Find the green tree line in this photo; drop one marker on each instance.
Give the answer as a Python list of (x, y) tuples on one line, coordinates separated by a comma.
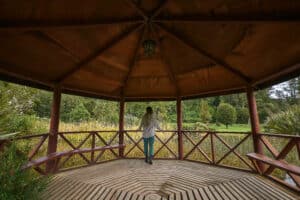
[(20, 106)]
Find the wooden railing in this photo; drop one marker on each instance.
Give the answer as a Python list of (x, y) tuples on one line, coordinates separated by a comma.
[(226, 149), (284, 151), (74, 149), (218, 148), (165, 146)]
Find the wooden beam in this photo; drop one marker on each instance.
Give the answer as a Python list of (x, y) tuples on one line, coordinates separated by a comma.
[(201, 51), (169, 69), (113, 63), (138, 9), (96, 54), (179, 127), (20, 77), (121, 126), (54, 126), (133, 61), (26, 26), (76, 58), (59, 44), (258, 145), (238, 19), (85, 93), (293, 70), (159, 9)]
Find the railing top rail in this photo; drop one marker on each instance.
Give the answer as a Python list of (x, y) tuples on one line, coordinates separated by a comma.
[(26, 137), (204, 131), (93, 131), (156, 131), (279, 135), (164, 131)]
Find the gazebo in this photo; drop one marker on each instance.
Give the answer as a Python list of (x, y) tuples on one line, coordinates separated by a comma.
[(147, 50)]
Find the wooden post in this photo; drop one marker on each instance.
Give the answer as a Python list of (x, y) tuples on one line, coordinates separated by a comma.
[(121, 127), (258, 145), (179, 129), (212, 146), (54, 123), (93, 147)]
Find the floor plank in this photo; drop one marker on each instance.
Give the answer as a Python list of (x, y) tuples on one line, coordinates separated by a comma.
[(165, 179)]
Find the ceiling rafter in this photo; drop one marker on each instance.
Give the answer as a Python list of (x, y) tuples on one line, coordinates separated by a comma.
[(147, 18), (97, 53), (285, 71), (59, 44), (138, 9), (201, 51), (133, 61), (76, 58), (229, 19), (168, 67), (9, 73), (159, 9), (26, 26)]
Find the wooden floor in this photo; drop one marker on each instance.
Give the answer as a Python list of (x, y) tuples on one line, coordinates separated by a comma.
[(134, 179)]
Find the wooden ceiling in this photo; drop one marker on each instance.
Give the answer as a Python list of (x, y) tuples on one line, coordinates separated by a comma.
[(203, 47)]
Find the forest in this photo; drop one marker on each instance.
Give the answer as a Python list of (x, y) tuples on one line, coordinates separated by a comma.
[(27, 110)]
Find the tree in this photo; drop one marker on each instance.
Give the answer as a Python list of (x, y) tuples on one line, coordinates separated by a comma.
[(288, 92), (79, 113), (204, 109), (106, 112), (226, 114), (42, 104), (242, 115)]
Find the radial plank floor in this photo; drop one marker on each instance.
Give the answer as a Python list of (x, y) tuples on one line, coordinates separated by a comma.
[(134, 179)]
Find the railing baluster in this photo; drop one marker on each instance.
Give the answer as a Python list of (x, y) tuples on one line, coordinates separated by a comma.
[(34, 151), (93, 147), (298, 147), (288, 147), (212, 145), (164, 145), (233, 151), (198, 148)]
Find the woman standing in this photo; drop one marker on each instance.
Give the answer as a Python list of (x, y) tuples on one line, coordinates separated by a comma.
[(149, 123)]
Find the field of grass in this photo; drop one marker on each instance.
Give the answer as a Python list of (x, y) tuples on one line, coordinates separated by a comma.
[(233, 128)]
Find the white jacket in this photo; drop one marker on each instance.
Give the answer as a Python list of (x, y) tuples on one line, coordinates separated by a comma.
[(149, 123)]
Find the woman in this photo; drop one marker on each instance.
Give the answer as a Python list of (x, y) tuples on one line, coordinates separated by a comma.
[(149, 123)]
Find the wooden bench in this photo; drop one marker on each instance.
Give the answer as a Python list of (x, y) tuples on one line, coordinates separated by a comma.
[(58, 155), (276, 163)]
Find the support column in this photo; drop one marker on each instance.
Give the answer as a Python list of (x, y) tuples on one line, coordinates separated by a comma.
[(54, 123), (179, 128), (258, 145), (121, 127)]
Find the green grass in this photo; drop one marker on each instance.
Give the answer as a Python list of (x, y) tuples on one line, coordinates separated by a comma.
[(233, 128)]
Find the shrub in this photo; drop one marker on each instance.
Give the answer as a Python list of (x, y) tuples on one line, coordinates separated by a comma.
[(226, 114), (17, 184), (79, 113), (242, 116), (23, 124), (205, 115), (285, 122)]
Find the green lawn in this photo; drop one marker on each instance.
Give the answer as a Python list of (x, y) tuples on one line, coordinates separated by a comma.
[(234, 127)]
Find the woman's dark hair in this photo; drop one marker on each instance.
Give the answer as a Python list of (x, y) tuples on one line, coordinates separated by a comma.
[(149, 110)]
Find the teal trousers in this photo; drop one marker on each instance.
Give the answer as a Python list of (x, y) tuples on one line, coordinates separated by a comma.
[(148, 146)]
